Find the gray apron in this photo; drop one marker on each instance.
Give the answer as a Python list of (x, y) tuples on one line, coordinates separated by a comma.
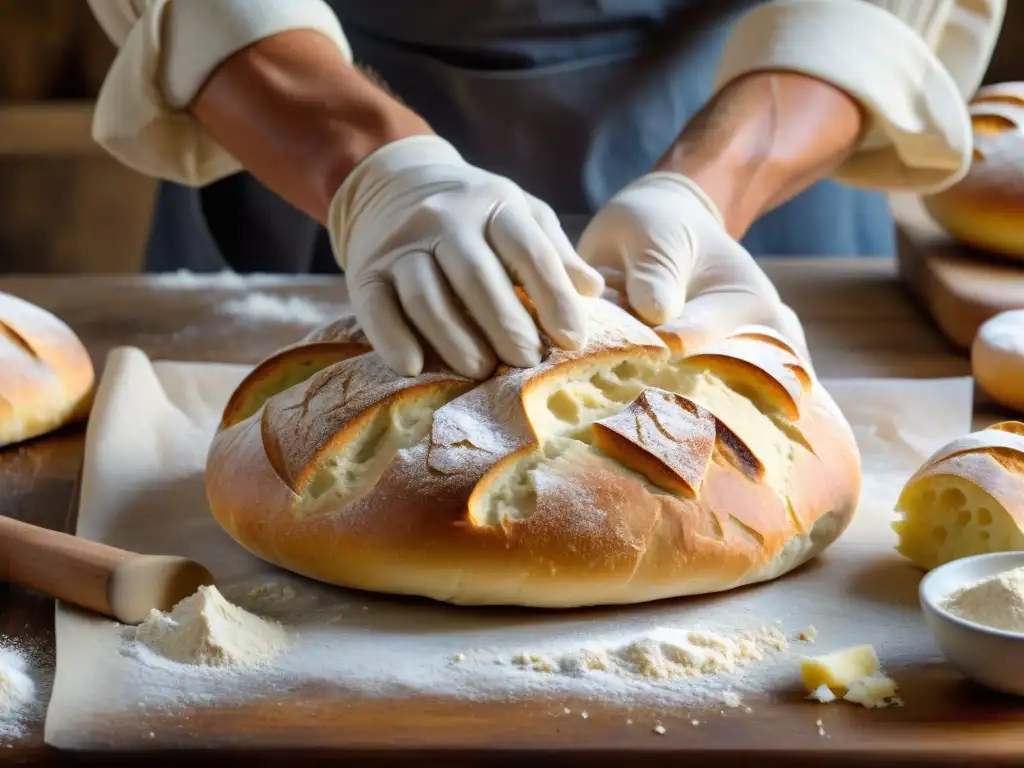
[(570, 98)]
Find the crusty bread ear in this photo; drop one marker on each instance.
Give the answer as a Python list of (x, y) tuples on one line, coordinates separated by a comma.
[(46, 375), (618, 473), (662, 436), (282, 371), (965, 499)]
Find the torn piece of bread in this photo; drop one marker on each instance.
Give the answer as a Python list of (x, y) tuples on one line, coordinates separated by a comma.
[(46, 375), (627, 471), (837, 670), (853, 674), (965, 499)]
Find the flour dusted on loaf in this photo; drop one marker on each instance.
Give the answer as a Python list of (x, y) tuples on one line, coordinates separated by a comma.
[(997, 602), (206, 629)]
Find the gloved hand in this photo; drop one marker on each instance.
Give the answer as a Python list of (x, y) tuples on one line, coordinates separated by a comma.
[(682, 268), (418, 231)]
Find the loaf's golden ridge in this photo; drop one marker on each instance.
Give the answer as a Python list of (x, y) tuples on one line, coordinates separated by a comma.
[(619, 473)]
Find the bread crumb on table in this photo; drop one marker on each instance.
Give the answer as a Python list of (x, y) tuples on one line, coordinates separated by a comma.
[(807, 635)]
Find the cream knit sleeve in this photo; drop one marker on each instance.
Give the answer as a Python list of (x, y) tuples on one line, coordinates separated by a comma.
[(912, 64), (166, 51)]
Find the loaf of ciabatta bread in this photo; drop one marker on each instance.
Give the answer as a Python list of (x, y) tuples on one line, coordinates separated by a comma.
[(46, 375), (965, 499), (625, 472)]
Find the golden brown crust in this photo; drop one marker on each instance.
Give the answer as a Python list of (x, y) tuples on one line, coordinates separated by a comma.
[(617, 474), (986, 208), (46, 375)]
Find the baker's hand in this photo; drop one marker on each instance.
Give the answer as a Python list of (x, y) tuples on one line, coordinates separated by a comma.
[(682, 268), (422, 234)]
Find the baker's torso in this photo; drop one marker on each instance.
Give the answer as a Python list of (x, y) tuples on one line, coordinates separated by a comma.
[(573, 99)]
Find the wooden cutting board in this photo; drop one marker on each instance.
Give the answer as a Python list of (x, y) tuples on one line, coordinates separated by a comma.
[(957, 286)]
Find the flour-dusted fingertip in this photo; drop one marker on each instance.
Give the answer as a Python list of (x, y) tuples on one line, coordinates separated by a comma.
[(656, 301), (477, 365), (404, 363), (585, 279)]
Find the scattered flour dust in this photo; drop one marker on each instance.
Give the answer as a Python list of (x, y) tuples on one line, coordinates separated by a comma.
[(215, 647), (664, 654), (996, 602), (206, 629), (698, 667), (23, 690), (286, 309), (254, 305)]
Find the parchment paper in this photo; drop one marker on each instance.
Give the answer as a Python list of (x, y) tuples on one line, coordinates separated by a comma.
[(142, 489)]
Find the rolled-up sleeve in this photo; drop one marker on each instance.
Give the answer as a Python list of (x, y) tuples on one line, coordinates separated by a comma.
[(166, 51), (912, 65)]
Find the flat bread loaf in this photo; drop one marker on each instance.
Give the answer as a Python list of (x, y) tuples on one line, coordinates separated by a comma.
[(625, 472), (965, 499), (46, 375)]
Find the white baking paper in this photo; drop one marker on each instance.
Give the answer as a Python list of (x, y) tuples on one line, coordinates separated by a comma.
[(142, 490)]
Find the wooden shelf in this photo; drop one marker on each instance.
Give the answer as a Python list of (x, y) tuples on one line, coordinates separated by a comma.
[(47, 129)]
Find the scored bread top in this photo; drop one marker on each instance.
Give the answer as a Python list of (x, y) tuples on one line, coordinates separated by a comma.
[(46, 375), (621, 472)]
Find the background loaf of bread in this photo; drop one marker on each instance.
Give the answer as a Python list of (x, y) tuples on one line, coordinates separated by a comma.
[(46, 375), (967, 499), (624, 472), (986, 208), (997, 358)]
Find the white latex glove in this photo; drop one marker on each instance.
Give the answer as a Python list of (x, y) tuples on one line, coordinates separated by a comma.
[(419, 232), (682, 269)]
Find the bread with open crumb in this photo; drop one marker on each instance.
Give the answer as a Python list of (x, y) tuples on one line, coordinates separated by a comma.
[(631, 470)]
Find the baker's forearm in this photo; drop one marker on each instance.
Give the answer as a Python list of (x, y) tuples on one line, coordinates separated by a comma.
[(298, 116), (764, 138)]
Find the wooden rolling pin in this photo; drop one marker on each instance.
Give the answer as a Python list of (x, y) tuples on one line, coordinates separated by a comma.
[(116, 583)]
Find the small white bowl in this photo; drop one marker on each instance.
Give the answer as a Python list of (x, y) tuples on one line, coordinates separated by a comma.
[(991, 657)]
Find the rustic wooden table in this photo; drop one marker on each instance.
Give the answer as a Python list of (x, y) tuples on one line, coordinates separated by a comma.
[(859, 322)]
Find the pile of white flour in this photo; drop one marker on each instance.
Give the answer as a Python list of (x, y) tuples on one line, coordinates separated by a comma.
[(206, 629)]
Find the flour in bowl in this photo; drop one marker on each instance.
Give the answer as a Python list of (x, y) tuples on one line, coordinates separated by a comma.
[(996, 602)]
